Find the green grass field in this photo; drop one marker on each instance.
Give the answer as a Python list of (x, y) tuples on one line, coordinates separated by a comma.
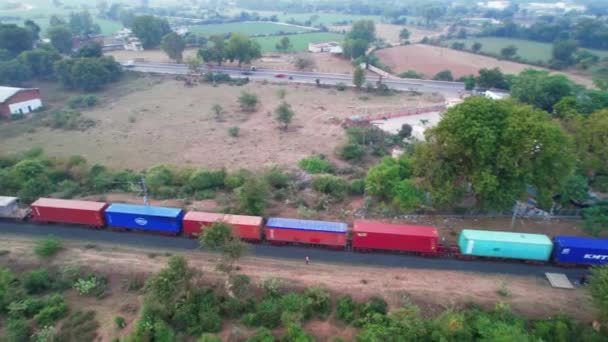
[(528, 50), (299, 41), (249, 28)]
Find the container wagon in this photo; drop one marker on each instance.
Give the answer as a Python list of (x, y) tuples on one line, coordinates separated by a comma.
[(245, 227), (376, 235), (580, 251), (148, 218), (505, 245), (284, 230), (69, 211)]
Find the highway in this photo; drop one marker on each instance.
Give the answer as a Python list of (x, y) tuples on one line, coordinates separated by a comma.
[(448, 89), (163, 243)]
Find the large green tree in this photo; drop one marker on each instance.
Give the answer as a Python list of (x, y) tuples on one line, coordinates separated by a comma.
[(496, 149), (61, 38), (242, 49), (599, 290), (358, 39), (591, 136), (173, 44), (15, 39), (563, 53), (358, 77), (216, 51), (81, 24), (539, 88), (40, 61), (150, 30), (13, 72)]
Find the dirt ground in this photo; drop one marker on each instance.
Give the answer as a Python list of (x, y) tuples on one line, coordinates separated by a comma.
[(430, 60), (390, 32), (167, 122), (322, 62), (434, 291)]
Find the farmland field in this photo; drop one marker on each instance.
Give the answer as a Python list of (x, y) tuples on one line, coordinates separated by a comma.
[(299, 41), (41, 11), (528, 50), (249, 28)]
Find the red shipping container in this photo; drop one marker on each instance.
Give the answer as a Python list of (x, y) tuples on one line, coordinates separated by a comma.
[(394, 237), (246, 227), (69, 211), (332, 234)]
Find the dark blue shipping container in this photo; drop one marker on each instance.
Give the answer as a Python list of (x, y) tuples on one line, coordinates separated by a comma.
[(578, 250), (142, 217)]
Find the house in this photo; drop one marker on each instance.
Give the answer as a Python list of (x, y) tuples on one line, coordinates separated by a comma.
[(19, 101), (495, 95), (331, 47), (132, 44)]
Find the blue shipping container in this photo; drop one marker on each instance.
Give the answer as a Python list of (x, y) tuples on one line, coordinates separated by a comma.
[(319, 226), (159, 219), (578, 250)]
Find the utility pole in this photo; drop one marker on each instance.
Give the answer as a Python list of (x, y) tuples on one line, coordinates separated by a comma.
[(144, 189)]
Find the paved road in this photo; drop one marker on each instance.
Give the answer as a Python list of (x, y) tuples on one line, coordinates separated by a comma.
[(163, 243), (450, 89)]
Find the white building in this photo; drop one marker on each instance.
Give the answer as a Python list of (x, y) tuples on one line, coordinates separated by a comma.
[(498, 5), (495, 95), (15, 101), (331, 47)]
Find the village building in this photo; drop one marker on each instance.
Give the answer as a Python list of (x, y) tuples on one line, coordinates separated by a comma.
[(15, 101)]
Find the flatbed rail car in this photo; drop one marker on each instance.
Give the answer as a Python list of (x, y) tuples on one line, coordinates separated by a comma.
[(367, 235)]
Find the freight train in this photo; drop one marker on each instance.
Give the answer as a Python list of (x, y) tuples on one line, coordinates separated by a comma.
[(364, 236)]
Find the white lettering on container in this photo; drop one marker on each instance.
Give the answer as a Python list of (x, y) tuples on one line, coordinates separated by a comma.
[(595, 256)]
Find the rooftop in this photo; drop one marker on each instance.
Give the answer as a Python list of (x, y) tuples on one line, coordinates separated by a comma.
[(7, 92)]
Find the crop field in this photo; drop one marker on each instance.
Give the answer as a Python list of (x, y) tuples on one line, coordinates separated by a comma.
[(150, 120), (41, 11), (528, 50), (299, 41), (249, 28)]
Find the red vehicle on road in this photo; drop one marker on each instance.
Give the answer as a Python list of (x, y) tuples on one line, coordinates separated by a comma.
[(280, 75)]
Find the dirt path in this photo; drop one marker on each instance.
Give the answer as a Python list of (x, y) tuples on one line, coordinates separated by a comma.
[(432, 290)]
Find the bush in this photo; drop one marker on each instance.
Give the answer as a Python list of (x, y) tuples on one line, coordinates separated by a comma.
[(87, 101), (341, 86), (262, 335), (248, 101), (70, 120), (204, 179), (331, 185), (411, 74), (44, 334), (17, 329), (209, 338), (318, 303), (86, 286), (346, 309), (277, 179), (48, 247), (120, 322), (268, 313), (352, 152), (37, 281), (272, 287), (54, 310), (233, 131), (445, 75), (209, 321), (295, 333), (357, 187), (374, 305), (600, 183), (316, 164), (237, 179)]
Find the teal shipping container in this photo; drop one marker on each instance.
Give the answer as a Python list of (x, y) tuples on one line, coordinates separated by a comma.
[(505, 245)]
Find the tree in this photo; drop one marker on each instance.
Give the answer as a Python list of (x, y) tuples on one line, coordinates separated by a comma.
[(33, 28), (88, 74), (57, 21), (404, 34), (563, 52), (61, 38), (284, 114), (574, 189), (598, 286), (248, 101), (173, 44), (358, 77), (596, 219), (220, 237), (242, 49), (508, 52), (284, 45), (40, 62), (539, 88), (476, 47), (358, 39), (445, 75), (90, 50), (172, 282), (217, 110), (491, 78), (13, 72), (150, 30), (194, 63), (81, 24), (354, 48), (216, 52), (405, 131), (495, 149), (469, 82), (391, 180), (253, 196), (591, 135), (432, 12), (15, 39)]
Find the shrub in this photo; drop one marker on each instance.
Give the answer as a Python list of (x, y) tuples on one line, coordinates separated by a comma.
[(341, 86), (411, 74), (248, 101), (318, 303), (120, 322), (209, 321), (17, 329), (44, 334), (54, 310), (209, 338), (331, 185), (37, 281), (233, 131), (48, 247), (445, 75), (600, 183), (357, 187), (70, 120), (272, 287), (276, 178), (295, 333), (316, 164), (79, 326), (352, 152), (346, 309), (86, 286), (80, 101), (268, 313), (204, 179), (373, 305), (262, 335)]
